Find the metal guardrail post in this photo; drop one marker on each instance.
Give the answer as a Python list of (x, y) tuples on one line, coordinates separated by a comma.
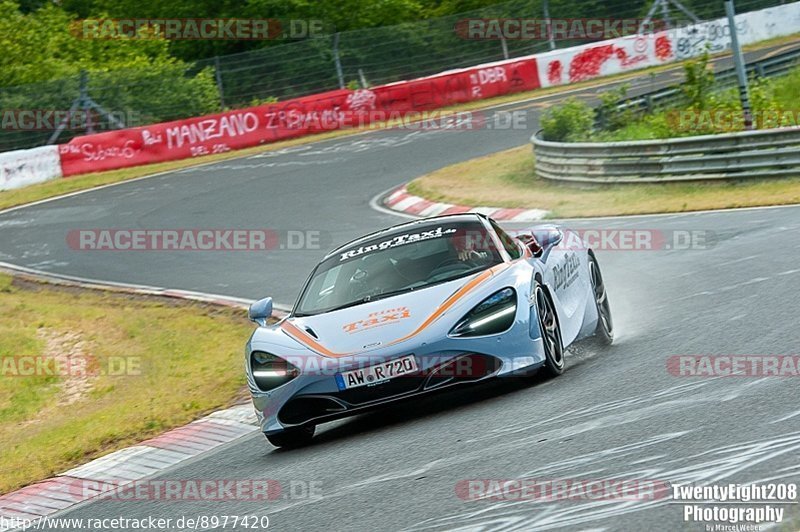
[(87, 104), (218, 76), (738, 60), (546, 12), (337, 60)]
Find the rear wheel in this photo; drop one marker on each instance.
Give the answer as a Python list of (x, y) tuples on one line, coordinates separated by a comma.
[(292, 438), (604, 333), (551, 333)]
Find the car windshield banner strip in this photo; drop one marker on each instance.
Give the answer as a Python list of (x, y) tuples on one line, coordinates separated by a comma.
[(397, 240)]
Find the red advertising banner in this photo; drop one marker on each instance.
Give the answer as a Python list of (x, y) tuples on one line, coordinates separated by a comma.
[(327, 111)]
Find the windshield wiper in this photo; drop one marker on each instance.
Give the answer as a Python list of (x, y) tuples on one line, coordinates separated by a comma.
[(340, 307), (360, 301), (384, 295)]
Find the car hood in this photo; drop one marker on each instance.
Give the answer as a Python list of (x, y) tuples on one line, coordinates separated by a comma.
[(381, 323)]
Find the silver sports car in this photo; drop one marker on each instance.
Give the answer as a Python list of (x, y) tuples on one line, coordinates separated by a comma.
[(416, 308)]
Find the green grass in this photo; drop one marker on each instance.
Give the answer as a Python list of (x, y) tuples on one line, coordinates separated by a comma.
[(182, 360), (507, 179)]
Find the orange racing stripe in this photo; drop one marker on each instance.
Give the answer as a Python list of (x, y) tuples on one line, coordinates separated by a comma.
[(306, 339)]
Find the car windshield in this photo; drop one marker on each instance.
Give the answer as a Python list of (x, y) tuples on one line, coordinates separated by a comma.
[(392, 263)]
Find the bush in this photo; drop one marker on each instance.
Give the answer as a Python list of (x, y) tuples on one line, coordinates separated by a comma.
[(699, 82), (40, 69), (649, 127), (706, 111), (609, 114), (571, 121), (162, 91)]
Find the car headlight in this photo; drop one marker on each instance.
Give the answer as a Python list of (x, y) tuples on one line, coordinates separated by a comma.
[(493, 315), (270, 371)]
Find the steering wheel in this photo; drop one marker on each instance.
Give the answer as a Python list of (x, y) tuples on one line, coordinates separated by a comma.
[(464, 265), (358, 284)]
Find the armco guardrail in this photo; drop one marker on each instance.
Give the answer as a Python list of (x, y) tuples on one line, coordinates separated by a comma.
[(742, 155), (672, 96)]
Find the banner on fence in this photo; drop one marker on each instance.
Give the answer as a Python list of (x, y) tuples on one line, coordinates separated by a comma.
[(626, 54), (351, 108), (328, 111), (21, 168)]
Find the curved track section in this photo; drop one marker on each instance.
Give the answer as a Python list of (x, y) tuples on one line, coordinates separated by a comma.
[(323, 186), (613, 414)]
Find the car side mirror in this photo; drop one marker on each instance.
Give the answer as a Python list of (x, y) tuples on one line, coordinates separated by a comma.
[(261, 311), (549, 236)]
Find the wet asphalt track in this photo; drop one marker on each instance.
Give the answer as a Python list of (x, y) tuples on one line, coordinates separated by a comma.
[(617, 413)]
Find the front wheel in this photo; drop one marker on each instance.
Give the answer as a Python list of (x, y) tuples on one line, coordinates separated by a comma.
[(292, 438), (604, 333), (551, 333)]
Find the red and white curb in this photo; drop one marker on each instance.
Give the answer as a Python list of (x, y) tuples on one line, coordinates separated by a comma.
[(131, 464), (401, 201), (125, 466)]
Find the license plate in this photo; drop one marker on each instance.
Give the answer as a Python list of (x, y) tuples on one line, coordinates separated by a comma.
[(377, 373)]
